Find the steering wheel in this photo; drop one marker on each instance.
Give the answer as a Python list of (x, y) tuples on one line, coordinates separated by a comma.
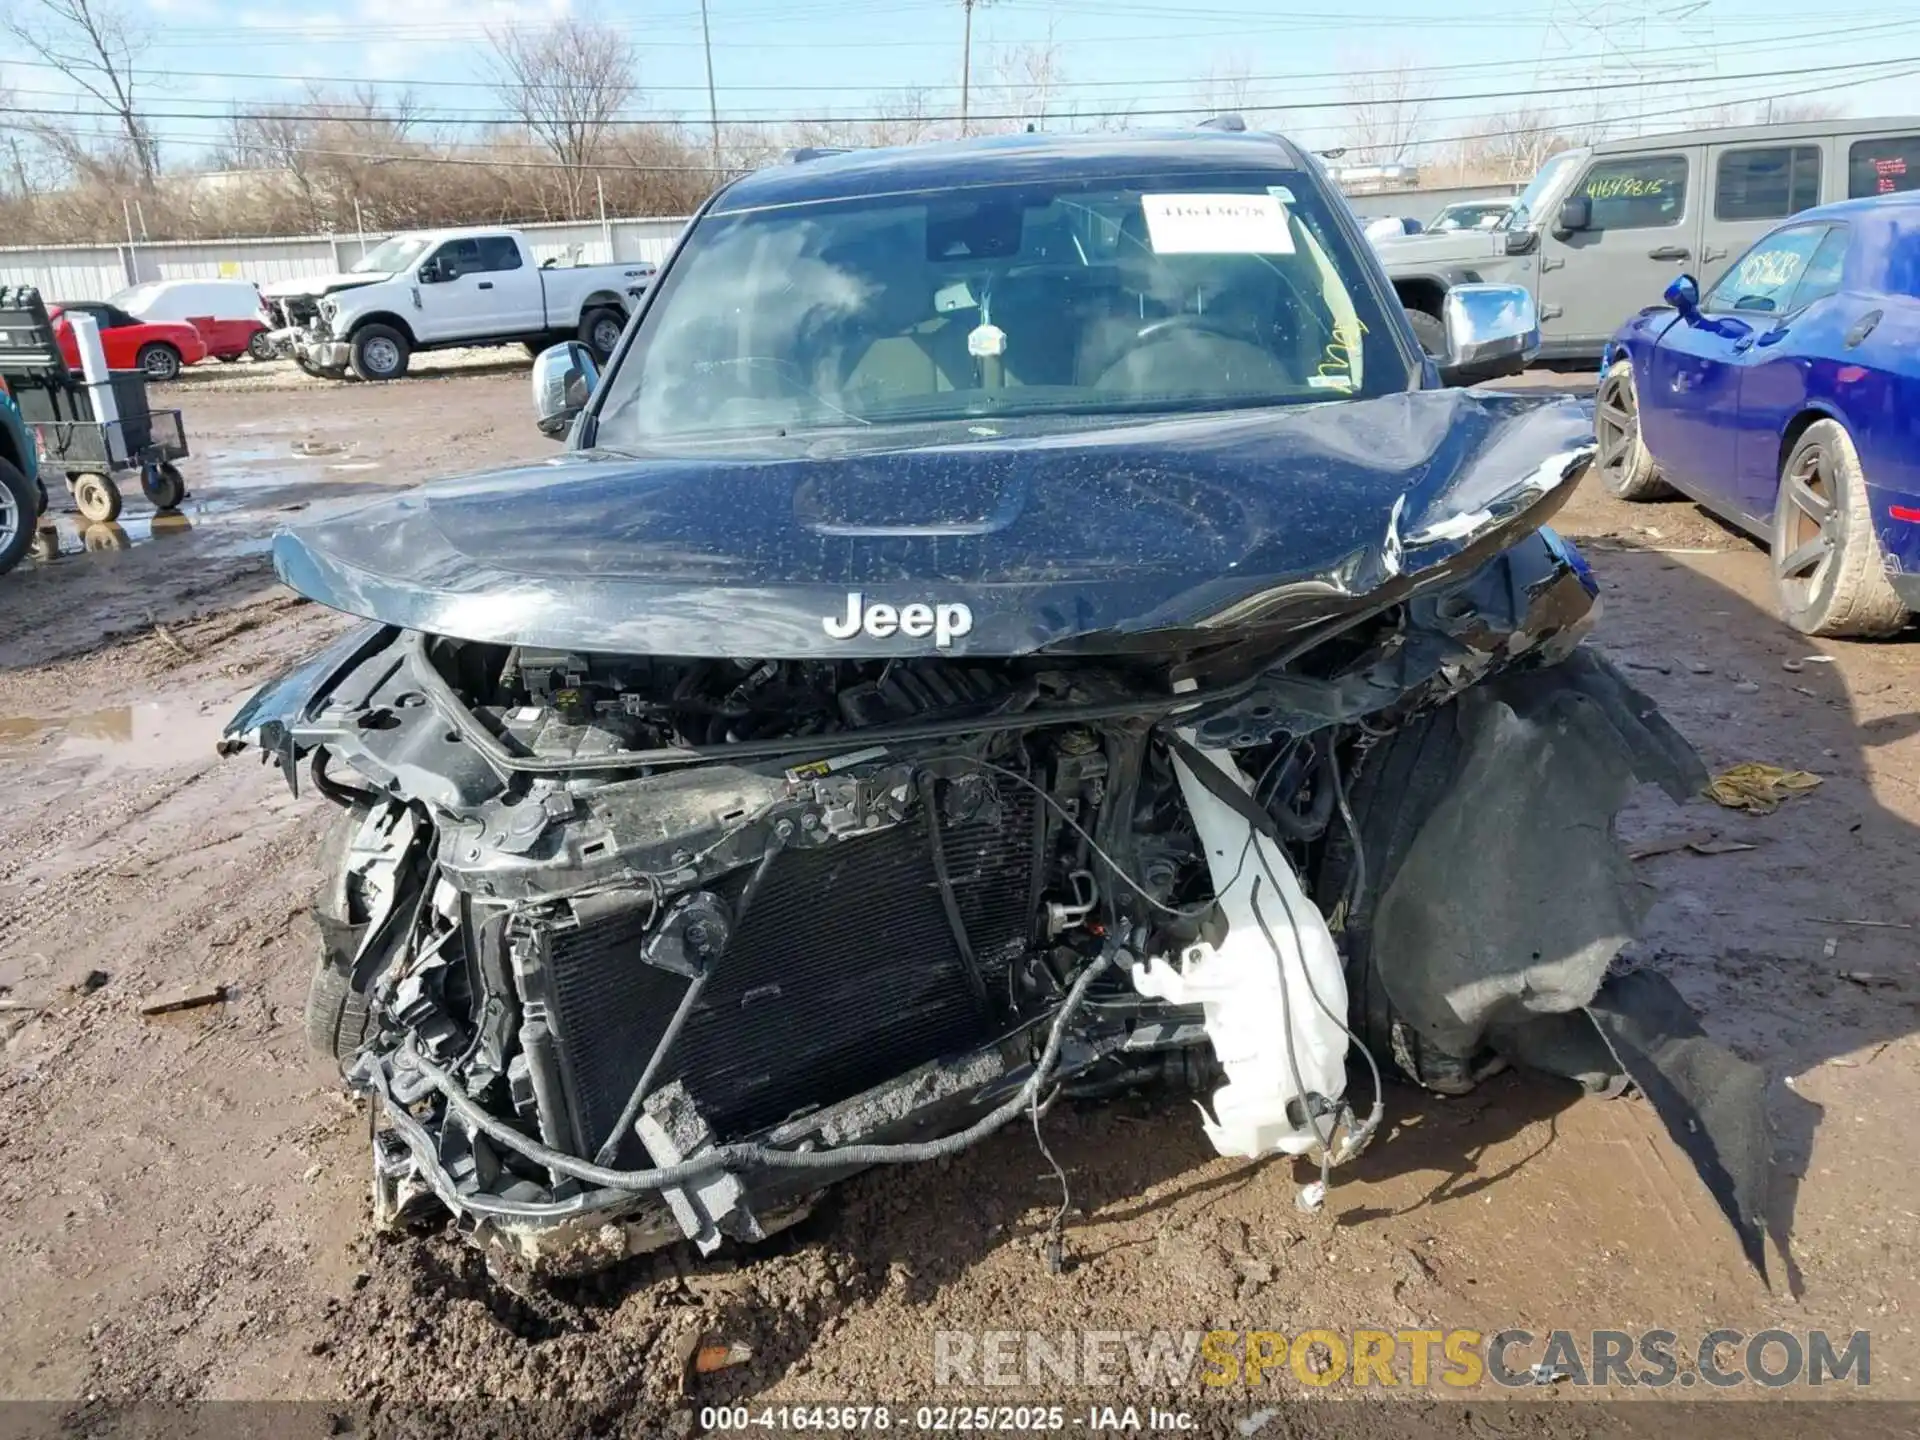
[(1174, 324)]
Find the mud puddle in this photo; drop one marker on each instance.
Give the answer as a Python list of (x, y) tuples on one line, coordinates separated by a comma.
[(148, 735), (236, 499)]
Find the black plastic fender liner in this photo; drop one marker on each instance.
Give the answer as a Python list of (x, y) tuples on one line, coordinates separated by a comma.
[(1503, 907), (1714, 1103)]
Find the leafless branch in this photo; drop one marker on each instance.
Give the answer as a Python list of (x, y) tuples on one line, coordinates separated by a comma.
[(566, 85), (95, 46)]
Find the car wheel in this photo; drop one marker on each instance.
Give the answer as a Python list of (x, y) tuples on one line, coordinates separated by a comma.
[(96, 498), (1430, 332), (1828, 567), (160, 360), (380, 353), (339, 1017), (600, 332), (164, 486), (19, 515), (259, 346), (1625, 462)]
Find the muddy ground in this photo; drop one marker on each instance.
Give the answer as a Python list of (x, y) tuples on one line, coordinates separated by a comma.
[(183, 1200)]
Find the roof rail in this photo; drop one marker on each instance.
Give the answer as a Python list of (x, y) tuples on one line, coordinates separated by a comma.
[(801, 154), (1231, 121)]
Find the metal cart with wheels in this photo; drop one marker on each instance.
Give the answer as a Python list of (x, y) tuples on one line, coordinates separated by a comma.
[(73, 440)]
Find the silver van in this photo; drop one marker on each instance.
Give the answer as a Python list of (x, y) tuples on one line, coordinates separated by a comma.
[(1600, 231)]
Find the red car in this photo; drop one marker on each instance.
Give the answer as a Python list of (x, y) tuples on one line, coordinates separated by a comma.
[(160, 348)]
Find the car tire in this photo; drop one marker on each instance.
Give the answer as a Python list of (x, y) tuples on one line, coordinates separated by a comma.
[(259, 346), (1430, 332), (1828, 566), (97, 498), (19, 515), (1626, 465), (600, 331), (380, 353), (1393, 791), (339, 1015), (160, 360)]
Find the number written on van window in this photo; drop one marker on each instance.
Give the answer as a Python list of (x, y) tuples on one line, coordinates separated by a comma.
[(1640, 193), (1883, 167)]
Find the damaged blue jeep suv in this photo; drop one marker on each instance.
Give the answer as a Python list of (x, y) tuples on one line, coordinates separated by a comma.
[(1017, 618)]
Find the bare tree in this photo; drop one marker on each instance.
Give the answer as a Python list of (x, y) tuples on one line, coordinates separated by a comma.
[(566, 84), (95, 46), (1027, 81), (1386, 109), (1510, 147), (1226, 88)]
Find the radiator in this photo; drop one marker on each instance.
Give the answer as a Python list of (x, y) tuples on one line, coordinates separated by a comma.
[(845, 973)]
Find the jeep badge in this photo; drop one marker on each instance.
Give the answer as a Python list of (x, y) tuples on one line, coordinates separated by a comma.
[(946, 623)]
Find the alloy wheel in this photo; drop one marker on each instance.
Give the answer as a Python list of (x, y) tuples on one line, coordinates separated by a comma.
[(1813, 530), (1616, 423)]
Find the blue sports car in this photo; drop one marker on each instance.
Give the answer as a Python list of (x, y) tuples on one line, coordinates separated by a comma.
[(1787, 399)]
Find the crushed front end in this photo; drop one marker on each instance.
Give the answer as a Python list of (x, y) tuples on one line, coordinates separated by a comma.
[(629, 945)]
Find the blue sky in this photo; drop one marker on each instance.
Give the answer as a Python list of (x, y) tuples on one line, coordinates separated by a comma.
[(775, 59)]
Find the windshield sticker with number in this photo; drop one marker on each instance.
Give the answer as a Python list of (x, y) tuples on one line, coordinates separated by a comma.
[(1217, 225), (1770, 269)]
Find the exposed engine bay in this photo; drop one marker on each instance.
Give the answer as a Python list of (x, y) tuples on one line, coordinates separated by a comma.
[(631, 948)]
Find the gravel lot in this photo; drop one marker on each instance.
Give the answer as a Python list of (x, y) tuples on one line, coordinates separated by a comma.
[(183, 1200)]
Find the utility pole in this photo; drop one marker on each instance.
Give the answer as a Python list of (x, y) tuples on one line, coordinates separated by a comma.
[(713, 104), (966, 60)]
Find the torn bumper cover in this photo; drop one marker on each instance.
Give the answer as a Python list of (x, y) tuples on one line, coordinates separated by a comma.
[(682, 874)]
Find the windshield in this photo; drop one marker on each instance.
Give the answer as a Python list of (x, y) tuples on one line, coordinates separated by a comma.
[(390, 257), (136, 299), (1078, 298), (1541, 186), (1476, 216)]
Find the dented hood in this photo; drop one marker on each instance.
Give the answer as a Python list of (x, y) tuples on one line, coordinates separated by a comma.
[(1109, 536), (310, 285)]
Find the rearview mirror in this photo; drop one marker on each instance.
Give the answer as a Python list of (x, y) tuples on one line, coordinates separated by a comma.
[(563, 381), (1683, 294), (1575, 214), (1492, 330)]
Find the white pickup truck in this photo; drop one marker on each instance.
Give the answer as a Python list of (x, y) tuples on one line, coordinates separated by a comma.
[(433, 289)]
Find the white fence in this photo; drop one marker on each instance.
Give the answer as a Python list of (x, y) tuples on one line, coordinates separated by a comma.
[(93, 272)]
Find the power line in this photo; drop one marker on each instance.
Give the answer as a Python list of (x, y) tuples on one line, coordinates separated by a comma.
[(615, 167), (1016, 115), (1761, 44)]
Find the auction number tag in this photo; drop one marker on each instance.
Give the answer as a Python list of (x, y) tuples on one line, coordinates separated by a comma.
[(1217, 225)]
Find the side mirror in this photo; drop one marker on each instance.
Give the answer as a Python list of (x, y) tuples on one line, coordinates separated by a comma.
[(1683, 294), (1492, 330), (563, 381), (430, 273), (1575, 214)]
